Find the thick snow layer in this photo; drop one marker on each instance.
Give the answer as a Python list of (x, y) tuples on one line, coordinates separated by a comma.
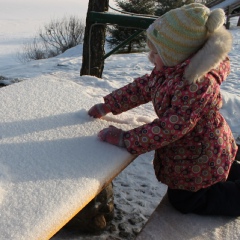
[(52, 163)]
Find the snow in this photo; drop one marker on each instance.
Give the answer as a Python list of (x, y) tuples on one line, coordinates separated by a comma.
[(50, 150), (199, 227), (137, 192)]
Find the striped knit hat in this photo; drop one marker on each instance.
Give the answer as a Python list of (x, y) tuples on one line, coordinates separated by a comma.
[(183, 31)]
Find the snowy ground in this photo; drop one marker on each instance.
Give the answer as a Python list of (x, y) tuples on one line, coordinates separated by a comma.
[(137, 192)]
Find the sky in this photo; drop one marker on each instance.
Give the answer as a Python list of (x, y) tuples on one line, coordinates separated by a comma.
[(137, 190)]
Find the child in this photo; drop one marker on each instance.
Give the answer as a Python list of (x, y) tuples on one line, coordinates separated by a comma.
[(194, 146)]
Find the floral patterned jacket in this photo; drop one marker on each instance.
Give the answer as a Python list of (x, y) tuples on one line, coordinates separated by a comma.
[(194, 144)]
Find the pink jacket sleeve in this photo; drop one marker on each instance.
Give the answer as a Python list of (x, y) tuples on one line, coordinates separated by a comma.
[(180, 117), (129, 96)]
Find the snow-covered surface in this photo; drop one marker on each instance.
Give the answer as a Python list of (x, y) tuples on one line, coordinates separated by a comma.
[(165, 224), (137, 192), (51, 162)]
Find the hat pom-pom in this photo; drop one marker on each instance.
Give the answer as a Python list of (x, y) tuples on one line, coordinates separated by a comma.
[(215, 20)]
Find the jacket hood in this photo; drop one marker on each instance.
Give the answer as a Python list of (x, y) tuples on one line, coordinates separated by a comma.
[(214, 51)]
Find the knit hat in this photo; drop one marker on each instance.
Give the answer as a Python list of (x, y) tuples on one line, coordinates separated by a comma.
[(182, 31)]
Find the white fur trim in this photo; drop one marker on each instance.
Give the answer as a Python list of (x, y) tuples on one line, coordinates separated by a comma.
[(214, 51)]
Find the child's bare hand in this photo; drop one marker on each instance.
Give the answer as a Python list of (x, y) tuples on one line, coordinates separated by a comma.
[(99, 110), (112, 135)]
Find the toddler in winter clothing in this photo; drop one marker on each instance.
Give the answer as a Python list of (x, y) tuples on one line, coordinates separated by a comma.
[(194, 146)]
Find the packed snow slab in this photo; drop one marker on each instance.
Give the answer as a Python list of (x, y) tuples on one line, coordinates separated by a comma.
[(168, 223), (51, 161)]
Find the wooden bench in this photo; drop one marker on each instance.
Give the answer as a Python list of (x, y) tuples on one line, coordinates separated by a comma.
[(213, 3), (231, 11), (51, 162)]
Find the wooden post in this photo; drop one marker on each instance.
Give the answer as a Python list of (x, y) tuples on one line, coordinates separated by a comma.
[(97, 42)]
